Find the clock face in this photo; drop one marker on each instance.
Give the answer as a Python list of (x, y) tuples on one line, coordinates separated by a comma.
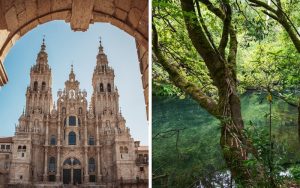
[(72, 94)]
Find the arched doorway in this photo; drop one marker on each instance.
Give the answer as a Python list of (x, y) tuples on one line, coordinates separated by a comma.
[(19, 17), (72, 171)]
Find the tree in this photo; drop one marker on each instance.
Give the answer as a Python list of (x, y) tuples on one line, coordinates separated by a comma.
[(220, 64)]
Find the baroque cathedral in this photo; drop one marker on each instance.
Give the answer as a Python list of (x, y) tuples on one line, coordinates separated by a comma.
[(71, 142)]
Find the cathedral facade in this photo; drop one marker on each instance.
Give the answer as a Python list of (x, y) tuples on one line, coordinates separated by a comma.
[(71, 142)]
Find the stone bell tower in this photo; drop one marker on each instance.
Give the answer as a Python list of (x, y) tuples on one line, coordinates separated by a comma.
[(105, 96), (38, 94), (28, 152)]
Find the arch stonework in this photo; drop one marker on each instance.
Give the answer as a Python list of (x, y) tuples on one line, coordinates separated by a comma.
[(17, 17)]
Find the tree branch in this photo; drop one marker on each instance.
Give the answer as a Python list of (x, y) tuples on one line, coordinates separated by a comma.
[(262, 4), (225, 32), (181, 82)]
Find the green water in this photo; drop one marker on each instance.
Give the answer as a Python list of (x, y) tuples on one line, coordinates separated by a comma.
[(198, 153)]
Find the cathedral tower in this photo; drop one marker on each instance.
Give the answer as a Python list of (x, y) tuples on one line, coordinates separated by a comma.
[(30, 132), (105, 97), (39, 95)]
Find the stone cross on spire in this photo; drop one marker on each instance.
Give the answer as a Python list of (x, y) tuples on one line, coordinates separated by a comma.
[(100, 47), (43, 46), (72, 75)]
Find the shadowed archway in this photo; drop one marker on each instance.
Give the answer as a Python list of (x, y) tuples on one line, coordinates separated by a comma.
[(19, 17)]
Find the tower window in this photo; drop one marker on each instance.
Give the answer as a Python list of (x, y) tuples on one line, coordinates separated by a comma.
[(35, 86), (72, 138), (80, 110), (121, 149), (101, 87), (52, 166), (52, 140), (72, 121), (108, 87), (22, 154), (43, 86), (125, 149), (24, 148), (92, 165), (91, 140)]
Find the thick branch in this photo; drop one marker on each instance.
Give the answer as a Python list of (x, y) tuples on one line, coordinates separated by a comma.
[(211, 58), (218, 12), (225, 33), (181, 82), (262, 4)]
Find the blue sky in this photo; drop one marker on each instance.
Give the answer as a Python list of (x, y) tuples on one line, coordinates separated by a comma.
[(65, 47)]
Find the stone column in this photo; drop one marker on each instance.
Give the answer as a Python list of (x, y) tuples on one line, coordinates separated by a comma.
[(58, 165), (47, 131), (97, 131), (46, 164), (99, 164), (72, 169), (58, 132), (85, 132), (86, 173)]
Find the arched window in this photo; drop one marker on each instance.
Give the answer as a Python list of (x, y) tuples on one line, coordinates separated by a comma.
[(108, 87), (52, 166), (80, 110), (101, 87), (19, 148), (76, 162), (91, 140), (35, 86), (53, 140), (72, 121), (43, 86), (125, 149), (92, 165), (68, 161), (121, 149), (79, 122), (72, 138), (24, 148)]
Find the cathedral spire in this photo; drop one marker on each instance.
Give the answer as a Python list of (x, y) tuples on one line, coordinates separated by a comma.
[(42, 58), (72, 75), (101, 57), (43, 46), (101, 51)]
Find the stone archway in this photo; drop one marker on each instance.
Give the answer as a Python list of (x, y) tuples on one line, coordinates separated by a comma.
[(19, 17)]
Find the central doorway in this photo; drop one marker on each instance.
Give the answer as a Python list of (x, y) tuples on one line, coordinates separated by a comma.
[(72, 173)]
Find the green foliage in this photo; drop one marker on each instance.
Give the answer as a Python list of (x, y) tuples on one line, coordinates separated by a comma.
[(177, 47), (295, 171)]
